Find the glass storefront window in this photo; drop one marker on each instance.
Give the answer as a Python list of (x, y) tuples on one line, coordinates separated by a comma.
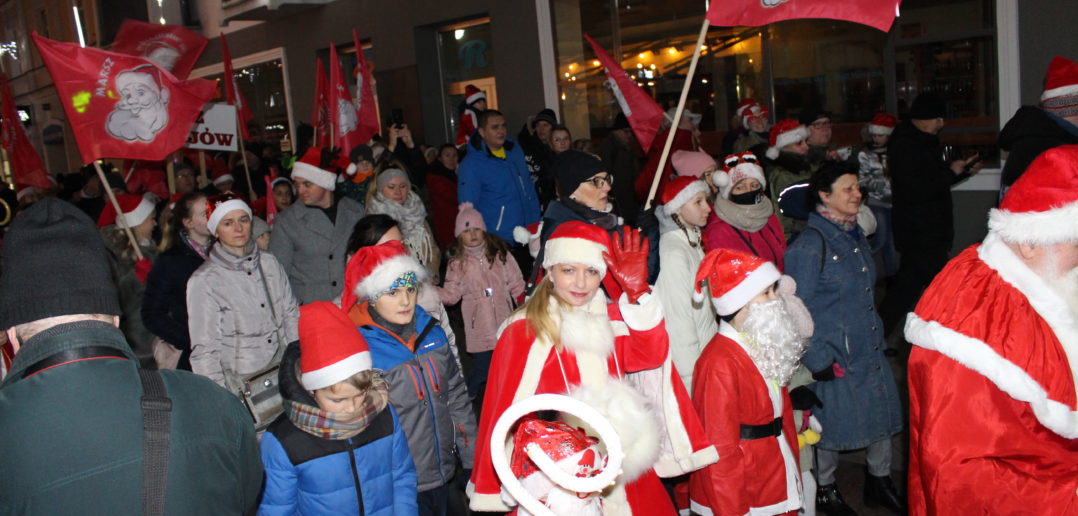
[(467, 58), (262, 86)]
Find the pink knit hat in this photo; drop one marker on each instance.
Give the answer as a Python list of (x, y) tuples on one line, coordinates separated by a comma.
[(692, 163), (468, 218)]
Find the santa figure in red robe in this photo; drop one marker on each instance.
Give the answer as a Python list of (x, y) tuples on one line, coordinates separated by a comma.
[(740, 388), (993, 426)]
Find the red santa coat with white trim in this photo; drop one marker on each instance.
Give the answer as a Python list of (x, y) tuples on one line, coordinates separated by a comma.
[(993, 426), (758, 476), (523, 366)]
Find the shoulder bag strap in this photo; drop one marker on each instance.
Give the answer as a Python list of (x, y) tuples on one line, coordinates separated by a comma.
[(273, 312), (156, 421)]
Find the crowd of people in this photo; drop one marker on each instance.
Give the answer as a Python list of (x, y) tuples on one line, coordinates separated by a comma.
[(730, 335)]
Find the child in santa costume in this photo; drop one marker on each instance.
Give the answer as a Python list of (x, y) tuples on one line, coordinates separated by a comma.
[(993, 371), (426, 388), (614, 356), (475, 102), (740, 389), (338, 448)]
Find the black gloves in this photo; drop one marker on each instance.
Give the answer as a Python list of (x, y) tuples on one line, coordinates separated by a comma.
[(803, 398)]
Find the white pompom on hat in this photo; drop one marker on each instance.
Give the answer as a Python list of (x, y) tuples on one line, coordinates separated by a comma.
[(733, 279)]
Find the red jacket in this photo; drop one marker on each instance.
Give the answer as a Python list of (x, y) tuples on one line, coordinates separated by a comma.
[(523, 366), (993, 426), (768, 243), (761, 475), (443, 207)]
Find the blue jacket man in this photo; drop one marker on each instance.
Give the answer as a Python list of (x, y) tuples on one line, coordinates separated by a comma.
[(495, 179)]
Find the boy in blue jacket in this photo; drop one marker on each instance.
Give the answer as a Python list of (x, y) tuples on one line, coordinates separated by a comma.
[(338, 448)]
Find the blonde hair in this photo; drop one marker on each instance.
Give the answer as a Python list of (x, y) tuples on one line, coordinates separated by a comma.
[(537, 311), (362, 380)]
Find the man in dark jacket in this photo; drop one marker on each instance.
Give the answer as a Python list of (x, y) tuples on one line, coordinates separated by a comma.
[(534, 138), (619, 159), (1035, 129), (921, 182), (72, 416)]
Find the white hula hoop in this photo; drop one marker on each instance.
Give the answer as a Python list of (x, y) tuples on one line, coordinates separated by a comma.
[(573, 483)]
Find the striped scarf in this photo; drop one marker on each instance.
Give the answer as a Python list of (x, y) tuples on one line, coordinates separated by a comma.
[(337, 425)]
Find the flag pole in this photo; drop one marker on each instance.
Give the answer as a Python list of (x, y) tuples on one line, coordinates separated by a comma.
[(243, 154), (677, 114), (170, 172), (202, 165), (119, 212)]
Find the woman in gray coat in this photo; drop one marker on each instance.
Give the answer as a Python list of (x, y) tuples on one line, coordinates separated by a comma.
[(240, 305), (835, 273)]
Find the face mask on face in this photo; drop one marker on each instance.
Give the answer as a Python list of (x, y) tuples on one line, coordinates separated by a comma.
[(747, 198)]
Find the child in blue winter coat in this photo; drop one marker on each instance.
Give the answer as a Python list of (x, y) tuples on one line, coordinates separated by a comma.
[(338, 448)]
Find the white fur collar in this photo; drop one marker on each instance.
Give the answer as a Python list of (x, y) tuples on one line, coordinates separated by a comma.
[(585, 329)]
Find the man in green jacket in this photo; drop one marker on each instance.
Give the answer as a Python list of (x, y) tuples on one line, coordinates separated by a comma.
[(72, 421)]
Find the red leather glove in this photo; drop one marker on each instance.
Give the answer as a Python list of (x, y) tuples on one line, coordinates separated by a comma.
[(142, 269), (627, 262)]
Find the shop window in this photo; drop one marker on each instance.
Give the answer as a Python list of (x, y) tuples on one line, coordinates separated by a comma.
[(466, 56), (261, 79)]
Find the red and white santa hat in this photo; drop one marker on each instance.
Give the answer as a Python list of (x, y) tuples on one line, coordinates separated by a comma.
[(331, 347), (679, 191), (472, 94), (745, 105), (733, 279), (529, 236), (735, 168), (308, 167), (1041, 207), (220, 172), (784, 133), (220, 205), (374, 269), (136, 209), (577, 242), (753, 112), (1061, 87), (882, 123)]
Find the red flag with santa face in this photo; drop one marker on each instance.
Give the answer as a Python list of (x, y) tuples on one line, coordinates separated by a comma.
[(232, 91), (122, 106), (878, 14), (171, 47), (365, 107), (342, 111), (320, 114), (644, 114), (26, 165), (271, 203)]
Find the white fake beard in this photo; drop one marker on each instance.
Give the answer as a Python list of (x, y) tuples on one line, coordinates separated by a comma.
[(774, 343), (1064, 284)]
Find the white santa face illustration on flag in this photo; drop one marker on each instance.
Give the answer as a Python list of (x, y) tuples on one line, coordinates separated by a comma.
[(772, 3), (347, 119), (163, 56), (142, 110)]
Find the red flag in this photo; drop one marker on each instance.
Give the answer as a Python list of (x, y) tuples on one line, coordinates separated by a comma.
[(320, 114), (644, 114), (122, 106), (232, 91), (342, 111), (271, 203), (368, 112), (26, 165), (171, 47), (878, 14)]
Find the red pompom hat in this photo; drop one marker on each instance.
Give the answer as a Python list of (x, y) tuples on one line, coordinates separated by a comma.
[(1060, 95), (308, 167), (733, 279), (882, 123), (679, 191), (785, 132), (1041, 207), (331, 347), (577, 242), (136, 208), (373, 269)]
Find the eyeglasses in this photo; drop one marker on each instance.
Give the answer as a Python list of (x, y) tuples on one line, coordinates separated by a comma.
[(599, 181)]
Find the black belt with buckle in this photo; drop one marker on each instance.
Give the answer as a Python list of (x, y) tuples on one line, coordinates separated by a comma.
[(772, 429)]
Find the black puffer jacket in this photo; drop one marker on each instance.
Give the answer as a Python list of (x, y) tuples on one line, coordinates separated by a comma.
[(921, 190), (1027, 134), (164, 303)]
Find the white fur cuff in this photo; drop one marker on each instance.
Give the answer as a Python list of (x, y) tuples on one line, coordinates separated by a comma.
[(643, 315)]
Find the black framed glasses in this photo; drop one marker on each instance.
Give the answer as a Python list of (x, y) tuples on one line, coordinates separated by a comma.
[(599, 181)]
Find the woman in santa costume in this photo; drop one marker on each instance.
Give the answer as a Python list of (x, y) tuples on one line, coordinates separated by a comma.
[(740, 388), (568, 339)]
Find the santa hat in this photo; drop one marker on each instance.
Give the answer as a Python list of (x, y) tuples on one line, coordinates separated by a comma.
[(692, 163), (529, 236), (472, 94), (468, 218), (784, 133), (1041, 206), (745, 105), (331, 347), (136, 209), (686, 117), (1060, 95), (679, 191), (373, 269), (733, 279), (882, 123), (174, 198), (737, 167), (560, 442), (220, 172), (577, 242), (753, 112), (309, 168), (220, 205), (27, 190)]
